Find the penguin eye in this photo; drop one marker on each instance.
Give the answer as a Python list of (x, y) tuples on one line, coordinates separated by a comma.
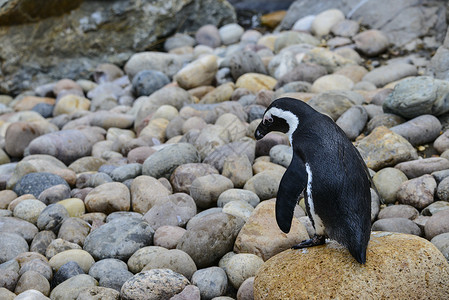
[(267, 119)]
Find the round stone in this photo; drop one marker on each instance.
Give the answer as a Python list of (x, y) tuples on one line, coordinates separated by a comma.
[(211, 281), (241, 267), (147, 82), (29, 210), (162, 283), (205, 190)]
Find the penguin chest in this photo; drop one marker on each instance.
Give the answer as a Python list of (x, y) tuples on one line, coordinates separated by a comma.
[(315, 218)]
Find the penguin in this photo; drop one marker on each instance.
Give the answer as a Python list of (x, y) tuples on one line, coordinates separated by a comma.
[(330, 171)]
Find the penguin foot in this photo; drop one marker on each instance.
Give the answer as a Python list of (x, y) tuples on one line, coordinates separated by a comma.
[(314, 241)]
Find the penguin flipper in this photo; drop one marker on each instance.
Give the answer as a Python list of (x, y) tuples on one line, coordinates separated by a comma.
[(292, 184)]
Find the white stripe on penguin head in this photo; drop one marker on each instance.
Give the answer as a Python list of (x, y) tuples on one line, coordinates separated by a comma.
[(289, 117)]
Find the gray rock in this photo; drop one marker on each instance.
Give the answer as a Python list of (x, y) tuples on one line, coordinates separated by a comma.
[(243, 62), (389, 73), (176, 260), (73, 287), (74, 230), (166, 63), (44, 109), (206, 189), (32, 280), (307, 72), (39, 266), (15, 225), (58, 246), (115, 279), (265, 184), (52, 217), (401, 225), (443, 189), (66, 145), (387, 120), (119, 238), (211, 281), (198, 217), (346, 28), (441, 143), (440, 175), (441, 241), (353, 121), (9, 274), (281, 155), (147, 82), (417, 96), (98, 292), (163, 162), (243, 147), (238, 194), (11, 245), (334, 103), (208, 35), (41, 241), (175, 210), (54, 194), (104, 267), (246, 290), (388, 182), (230, 33), (178, 40), (371, 42), (437, 224), (208, 240), (92, 180), (439, 63), (420, 130), (264, 146), (398, 211), (163, 284), (419, 167), (375, 205), (418, 192), (190, 292), (66, 271), (128, 171), (36, 183), (183, 176)]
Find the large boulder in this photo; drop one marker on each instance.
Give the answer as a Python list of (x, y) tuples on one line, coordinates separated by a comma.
[(397, 266), (101, 31)]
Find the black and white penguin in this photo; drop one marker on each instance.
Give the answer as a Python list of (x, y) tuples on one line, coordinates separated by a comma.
[(330, 171)]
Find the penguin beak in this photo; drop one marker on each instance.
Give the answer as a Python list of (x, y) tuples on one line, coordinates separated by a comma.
[(260, 131), (258, 135)]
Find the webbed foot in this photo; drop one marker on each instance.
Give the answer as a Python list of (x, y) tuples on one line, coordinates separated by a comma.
[(314, 241)]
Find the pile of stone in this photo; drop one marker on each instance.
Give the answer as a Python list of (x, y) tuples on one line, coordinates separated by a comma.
[(147, 183)]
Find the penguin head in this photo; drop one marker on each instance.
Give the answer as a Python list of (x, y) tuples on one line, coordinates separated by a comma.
[(282, 115)]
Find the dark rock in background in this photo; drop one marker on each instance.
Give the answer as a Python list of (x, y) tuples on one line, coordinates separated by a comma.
[(70, 44)]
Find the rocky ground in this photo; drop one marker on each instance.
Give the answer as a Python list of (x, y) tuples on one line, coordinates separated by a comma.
[(148, 177)]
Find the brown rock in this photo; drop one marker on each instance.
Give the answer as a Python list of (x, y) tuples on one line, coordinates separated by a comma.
[(28, 102), (19, 135), (262, 236), (146, 191), (384, 148), (108, 197), (398, 266), (273, 19)]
